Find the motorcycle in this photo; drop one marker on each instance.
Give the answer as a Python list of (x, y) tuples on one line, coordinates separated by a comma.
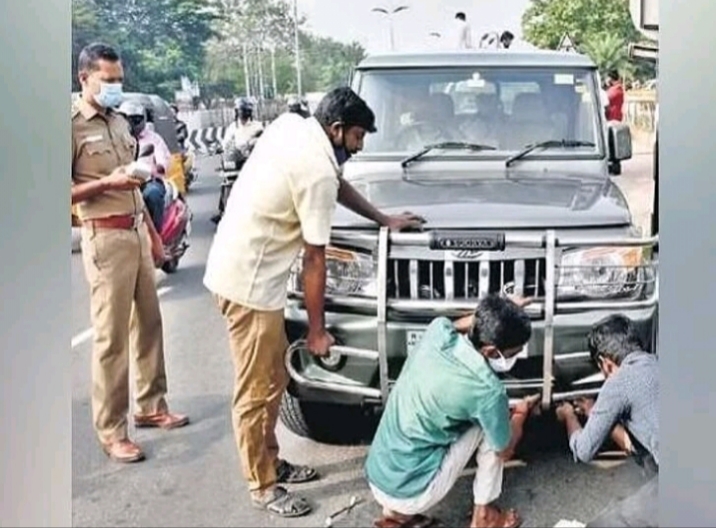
[(176, 224)]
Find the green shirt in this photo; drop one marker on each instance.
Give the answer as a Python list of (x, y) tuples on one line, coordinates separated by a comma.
[(445, 388)]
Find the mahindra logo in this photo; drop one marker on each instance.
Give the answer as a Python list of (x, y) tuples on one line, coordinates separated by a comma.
[(467, 254)]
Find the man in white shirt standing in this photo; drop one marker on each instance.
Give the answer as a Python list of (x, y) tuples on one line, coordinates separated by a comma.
[(464, 32), (283, 202)]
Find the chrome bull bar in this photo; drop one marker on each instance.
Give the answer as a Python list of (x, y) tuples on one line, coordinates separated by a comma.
[(546, 308)]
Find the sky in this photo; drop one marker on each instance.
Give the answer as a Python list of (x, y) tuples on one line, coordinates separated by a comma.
[(353, 20)]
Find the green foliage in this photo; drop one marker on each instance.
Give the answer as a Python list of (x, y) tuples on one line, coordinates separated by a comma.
[(603, 29), (159, 40), (162, 40)]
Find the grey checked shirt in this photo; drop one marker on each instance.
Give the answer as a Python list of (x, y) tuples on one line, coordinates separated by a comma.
[(631, 398)]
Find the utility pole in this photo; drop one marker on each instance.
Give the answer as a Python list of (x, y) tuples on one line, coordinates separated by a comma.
[(273, 71), (389, 14), (297, 51), (247, 80)]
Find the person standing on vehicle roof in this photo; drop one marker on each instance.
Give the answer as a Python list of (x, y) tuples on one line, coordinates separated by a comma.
[(154, 192), (120, 248), (464, 31), (629, 400), (282, 203), (448, 403)]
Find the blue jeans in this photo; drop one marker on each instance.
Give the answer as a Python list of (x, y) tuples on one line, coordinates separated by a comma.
[(154, 194)]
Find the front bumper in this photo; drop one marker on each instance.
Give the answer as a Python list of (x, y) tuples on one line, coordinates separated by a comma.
[(374, 335), (355, 377)]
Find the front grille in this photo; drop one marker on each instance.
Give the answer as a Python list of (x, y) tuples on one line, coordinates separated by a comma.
[(445, 279)]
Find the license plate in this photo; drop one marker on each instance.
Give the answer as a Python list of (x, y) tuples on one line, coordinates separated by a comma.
[(412, 338)]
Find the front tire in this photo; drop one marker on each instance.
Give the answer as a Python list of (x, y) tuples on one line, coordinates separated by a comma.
[(325, 422)]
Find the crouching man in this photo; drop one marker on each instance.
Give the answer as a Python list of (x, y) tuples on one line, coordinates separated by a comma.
[(627, 410), (447, 403)]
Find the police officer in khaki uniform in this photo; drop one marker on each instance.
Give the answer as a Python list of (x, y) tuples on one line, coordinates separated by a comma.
[(120, 248)]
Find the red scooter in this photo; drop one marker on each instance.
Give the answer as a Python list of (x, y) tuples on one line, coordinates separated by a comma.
[(176, 227), (176, 224)]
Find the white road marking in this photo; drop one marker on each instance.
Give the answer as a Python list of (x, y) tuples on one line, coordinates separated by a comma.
[(86, 335)]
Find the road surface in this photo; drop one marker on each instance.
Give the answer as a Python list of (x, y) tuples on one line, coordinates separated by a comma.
[(191, 476)]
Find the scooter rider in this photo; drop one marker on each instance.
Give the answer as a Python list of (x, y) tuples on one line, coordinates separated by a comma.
[(298, 105), (242, 134), (153, 191)]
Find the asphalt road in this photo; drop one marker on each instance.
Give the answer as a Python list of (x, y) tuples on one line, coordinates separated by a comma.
[(191, 476)]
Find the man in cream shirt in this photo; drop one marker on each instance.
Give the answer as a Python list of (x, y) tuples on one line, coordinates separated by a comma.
[(284, 201)]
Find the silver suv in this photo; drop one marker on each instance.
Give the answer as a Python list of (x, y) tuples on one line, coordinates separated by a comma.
[(509, 157)]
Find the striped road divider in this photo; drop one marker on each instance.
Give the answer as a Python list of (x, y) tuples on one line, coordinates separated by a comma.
[(200, 138)]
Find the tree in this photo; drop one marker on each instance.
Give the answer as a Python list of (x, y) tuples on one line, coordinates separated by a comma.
[(159, 40), (602, 29), (609, 52), (545, 22)]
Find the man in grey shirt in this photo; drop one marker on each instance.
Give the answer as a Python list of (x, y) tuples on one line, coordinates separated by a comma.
[(628, 410)]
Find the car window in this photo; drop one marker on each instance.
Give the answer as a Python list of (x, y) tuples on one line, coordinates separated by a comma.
[(506, 108)]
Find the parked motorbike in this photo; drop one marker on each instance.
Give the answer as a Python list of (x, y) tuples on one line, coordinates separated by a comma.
[(176, 225)]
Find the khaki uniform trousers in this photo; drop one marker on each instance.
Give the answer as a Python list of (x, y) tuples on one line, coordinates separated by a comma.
[(258, 343), (123, 301)]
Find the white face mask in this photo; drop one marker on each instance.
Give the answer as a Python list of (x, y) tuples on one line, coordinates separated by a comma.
[(502, 364)]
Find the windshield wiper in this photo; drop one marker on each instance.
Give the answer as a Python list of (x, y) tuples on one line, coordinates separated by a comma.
[(447, 145), (551, 143)]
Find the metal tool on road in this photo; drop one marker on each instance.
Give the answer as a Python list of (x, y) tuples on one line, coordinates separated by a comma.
[(355, 501)]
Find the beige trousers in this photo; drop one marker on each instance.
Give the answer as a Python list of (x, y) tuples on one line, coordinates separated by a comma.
[(123, 301), (258, 343)]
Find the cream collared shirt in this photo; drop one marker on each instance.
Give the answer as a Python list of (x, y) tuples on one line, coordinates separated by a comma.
[(285, 196)]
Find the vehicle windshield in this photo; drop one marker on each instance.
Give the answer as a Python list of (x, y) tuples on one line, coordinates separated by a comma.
[(506, 108)]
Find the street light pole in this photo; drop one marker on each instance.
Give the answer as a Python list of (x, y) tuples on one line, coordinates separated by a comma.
[(297, 52), (389, 14)]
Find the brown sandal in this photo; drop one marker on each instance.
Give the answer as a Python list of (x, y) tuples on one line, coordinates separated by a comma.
[(497, 518), (416, 521), (123, 451)]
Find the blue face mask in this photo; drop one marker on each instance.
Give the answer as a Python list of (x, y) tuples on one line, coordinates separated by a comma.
[(341, 155), (110, 95)]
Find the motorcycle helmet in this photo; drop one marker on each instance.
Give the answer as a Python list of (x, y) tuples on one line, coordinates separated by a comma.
[(298, 106), (135, 115), (244, 109)]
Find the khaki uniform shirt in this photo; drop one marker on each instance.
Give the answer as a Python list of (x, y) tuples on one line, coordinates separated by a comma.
[(286, 195), (100, 144)]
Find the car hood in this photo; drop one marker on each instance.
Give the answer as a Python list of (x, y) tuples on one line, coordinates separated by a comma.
[(514, 200)]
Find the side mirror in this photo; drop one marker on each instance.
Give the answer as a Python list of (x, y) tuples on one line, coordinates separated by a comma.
[(619, 141), (619, 145)]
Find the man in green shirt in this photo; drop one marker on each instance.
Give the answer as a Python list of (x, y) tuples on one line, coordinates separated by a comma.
[(447, 403)]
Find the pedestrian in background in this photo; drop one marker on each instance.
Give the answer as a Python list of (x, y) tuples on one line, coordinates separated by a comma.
[(464, 32), (615, 95), (120, 248), (282, 203)]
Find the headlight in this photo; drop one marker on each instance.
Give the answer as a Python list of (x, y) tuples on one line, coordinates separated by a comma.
[(347, 273), (603, 273)]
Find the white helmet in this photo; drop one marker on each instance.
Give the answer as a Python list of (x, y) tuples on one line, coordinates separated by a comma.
[(132, 108)]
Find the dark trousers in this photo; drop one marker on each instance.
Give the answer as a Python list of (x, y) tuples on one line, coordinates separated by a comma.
[(154, 193), (639, 509)]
